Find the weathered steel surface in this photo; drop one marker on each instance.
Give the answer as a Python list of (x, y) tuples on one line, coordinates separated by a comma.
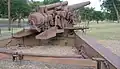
[(23, 33), (60, 30), (58, 15), (3, 56), (47, 34), (79, 5), (72, 61), (8, 64), (59, 18), (51, 6), (93, 49), (5, 51), (9, 51), (54, 56)]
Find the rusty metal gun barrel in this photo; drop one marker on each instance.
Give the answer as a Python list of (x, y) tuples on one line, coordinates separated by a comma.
[(79, 5), (51, 6)]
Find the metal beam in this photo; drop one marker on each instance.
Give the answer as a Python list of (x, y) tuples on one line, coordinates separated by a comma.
[(96, 50), (71, 61)]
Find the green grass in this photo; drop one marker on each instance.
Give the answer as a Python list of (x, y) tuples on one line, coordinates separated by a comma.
[(105, 31), (5, 30), (5, 21), (102, 31), (7, 34)]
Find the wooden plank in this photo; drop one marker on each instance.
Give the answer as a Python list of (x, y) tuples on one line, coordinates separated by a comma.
[(72, 61)]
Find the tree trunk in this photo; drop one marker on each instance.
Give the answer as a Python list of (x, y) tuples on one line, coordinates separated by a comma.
[(97, 22), (9, 15), (19, 21), (116, 11), (88, 23), (32, 1)]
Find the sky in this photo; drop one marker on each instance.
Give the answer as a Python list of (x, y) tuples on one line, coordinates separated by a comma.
[(94, 3)]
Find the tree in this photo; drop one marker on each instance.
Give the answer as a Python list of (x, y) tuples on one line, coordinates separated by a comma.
[(90, 14), (86, 13), (107, 15), (32, 0), (112, 6), (110, 16), (35, 5), (97, 16), (19, 9), (3, 8), (50, 1)]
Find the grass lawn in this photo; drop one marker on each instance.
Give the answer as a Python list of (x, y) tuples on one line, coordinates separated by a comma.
[(105, 31), (101, 31), (5, 21), (6, 34), (5, 30)]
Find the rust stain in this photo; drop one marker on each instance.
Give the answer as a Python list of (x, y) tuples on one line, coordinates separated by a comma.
[(3, 56)]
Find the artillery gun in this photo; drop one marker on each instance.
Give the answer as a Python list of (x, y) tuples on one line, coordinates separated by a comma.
[(56, 21), (54, 18)]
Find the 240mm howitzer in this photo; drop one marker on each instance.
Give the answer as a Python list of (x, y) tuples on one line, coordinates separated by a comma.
[(51, 18)]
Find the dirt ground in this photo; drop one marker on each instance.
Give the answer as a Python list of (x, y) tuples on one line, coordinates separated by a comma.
[(113, 45)]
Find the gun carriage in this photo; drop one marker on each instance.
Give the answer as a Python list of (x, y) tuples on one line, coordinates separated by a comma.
[(54, 25)]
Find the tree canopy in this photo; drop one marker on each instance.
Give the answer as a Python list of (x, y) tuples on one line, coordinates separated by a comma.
[(113, 7), (86, 13), (50, 1), (22, 8), (90, 14), (19, 8), (98, 16), (3, 8)]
